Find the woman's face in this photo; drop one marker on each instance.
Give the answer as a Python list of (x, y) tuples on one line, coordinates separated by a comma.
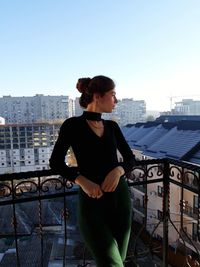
[(107, 102)]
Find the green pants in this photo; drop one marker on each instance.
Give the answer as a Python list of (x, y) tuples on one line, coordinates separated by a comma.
[(105, 225)]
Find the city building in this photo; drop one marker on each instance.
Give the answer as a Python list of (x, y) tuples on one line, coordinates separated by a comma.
[(175, 118), (78, 110), (38, 108), (131, 111), (128, 111), (26, 147), (187, 107), (32, 124), (178, 140)]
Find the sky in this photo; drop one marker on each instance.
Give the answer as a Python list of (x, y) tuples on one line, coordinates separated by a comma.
[(150, 48)]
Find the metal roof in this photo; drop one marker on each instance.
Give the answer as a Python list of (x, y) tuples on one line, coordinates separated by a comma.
[(178, 140), (151, 137)]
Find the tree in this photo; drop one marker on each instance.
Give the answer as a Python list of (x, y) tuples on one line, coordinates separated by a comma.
[(150, 118)]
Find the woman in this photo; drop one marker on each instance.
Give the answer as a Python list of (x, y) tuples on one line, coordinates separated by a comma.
[(104, 209)]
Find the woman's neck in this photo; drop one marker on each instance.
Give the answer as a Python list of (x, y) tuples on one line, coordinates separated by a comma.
[(93, 107)]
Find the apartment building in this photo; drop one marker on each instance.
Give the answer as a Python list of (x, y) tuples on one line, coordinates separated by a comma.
[(131, 111), (128, 111), (38, 108), (187, 107), (178, 140), (26, 147), (78, 110)]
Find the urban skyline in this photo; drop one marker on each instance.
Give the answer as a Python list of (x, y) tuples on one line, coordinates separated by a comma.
[(149, 48), (40, 108)]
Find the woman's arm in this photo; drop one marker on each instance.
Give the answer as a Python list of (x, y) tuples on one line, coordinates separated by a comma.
[(90, 188), (128, 157), (57, 159), (112, 179)]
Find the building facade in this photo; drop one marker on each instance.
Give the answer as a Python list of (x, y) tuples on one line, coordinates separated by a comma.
[(128, 111), (131, 111), (26, 147), (187, 107), (78, 110), (175, 139), (38, 108)]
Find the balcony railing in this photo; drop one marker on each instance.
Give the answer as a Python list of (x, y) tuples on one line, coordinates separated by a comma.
[(190, 239), (190, 211), (140, 188), (38, 224)]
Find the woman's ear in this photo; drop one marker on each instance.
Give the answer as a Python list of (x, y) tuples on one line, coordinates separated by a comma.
[(96, 97)]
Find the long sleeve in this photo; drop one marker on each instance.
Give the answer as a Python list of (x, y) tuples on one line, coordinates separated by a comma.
[(57, 159), (128, 157)]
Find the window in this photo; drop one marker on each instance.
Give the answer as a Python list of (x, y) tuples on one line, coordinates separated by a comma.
[(195, 204), (194, 232)]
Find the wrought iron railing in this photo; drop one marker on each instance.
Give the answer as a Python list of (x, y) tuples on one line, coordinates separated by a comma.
[(38, 215)]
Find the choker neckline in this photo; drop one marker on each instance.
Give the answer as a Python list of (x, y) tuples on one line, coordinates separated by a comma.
[(92, 116)]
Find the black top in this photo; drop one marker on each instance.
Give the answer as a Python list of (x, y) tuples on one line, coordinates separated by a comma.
[(95, 155)]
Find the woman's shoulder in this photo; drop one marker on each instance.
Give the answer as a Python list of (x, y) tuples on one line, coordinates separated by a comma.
[(71, 122), (111, 123), (72, 119)]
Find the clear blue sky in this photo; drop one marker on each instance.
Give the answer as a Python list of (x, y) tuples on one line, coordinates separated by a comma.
[(151, 48)]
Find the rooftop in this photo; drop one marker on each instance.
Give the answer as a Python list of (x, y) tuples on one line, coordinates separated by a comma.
[(159, 139)]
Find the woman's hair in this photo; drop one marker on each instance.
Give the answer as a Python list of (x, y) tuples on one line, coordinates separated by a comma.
[(88, 86)]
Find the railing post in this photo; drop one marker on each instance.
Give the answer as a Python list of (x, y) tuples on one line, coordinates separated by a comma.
[(65, 216), (198, 215), (15, 224), (166, 173), (40, 223)]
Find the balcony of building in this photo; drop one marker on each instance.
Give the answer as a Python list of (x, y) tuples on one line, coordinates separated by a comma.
[(189, 210), (38, 225)]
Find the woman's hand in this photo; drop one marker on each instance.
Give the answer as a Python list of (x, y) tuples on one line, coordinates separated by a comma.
[(90, 188), (112, 179)]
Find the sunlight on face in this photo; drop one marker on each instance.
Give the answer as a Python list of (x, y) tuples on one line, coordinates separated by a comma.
[(108, 101)]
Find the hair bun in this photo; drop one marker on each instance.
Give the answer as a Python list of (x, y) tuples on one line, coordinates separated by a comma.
[(82, 84)]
